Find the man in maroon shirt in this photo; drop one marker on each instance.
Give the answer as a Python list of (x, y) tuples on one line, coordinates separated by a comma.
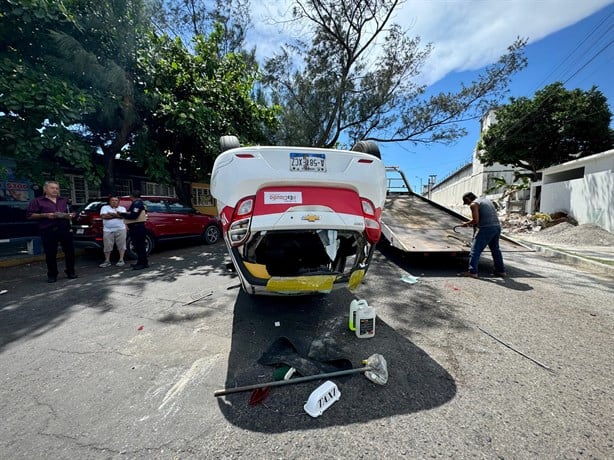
[(51, 211)]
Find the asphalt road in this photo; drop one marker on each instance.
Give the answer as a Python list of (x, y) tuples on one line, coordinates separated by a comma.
[(124, 364)]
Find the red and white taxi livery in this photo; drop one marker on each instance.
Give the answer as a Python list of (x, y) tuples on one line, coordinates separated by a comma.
[(299, 220)]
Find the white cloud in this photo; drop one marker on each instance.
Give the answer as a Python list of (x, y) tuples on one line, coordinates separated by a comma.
[(466, 34)]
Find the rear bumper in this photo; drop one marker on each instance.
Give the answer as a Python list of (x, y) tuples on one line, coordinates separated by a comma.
[(255, 279)]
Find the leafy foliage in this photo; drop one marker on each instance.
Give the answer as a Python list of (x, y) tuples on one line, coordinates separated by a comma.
[(339, 87), (192, 99), (34, 131), (507, 190), (71, 88), (68, 86), (99, 54), (189, 18), (556, 126), (39, 106)]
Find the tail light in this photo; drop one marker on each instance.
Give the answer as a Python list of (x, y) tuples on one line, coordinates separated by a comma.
[(238, 231), (373, 229)]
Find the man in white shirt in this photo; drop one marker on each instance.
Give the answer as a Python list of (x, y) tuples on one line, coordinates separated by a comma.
[(114, 231)]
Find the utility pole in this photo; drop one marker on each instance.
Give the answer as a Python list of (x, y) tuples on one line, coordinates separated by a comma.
[(420, 189), (432, 178)]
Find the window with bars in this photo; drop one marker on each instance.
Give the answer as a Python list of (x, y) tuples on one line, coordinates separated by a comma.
[(151, 188), (80, 191), (123, 187), (201, 196), (93, 192)]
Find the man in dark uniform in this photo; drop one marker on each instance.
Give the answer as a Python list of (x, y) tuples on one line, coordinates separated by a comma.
[(135, 220), (51, 211)]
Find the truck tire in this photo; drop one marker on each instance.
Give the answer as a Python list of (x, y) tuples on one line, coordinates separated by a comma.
[(229, 142), (369, 147)]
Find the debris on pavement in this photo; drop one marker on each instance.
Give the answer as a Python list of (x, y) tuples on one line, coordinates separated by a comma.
[(322, 398), (409, 279), (200, 298), (376, 370), (517, 351), (259, 395)]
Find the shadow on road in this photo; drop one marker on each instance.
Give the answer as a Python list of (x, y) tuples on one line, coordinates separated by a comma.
[(33, 307), (450, 265), (416, 382)]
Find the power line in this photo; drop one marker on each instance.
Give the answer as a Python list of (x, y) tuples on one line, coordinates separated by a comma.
[(589, 61), (520, 124), (569, 56)]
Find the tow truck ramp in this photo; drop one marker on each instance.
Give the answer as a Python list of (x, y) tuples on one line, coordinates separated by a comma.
[(415, 224)]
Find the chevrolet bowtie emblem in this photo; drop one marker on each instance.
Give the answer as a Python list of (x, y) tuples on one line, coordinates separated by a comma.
[(310, 217)]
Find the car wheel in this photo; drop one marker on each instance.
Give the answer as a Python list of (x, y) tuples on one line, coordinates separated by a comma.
[(212, 234), (131, 252), (369, 147), (229, 142)]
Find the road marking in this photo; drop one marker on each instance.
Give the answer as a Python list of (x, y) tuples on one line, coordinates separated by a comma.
[(200, 366)]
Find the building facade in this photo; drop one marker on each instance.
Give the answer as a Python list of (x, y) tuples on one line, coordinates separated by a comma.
[(582, 188), (479, 179)]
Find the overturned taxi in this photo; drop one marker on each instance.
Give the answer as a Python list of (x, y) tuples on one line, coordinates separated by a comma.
[(299, 220)]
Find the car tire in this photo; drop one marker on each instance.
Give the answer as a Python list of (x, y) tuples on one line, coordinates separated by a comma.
[(211, 234), (369, 147), (131, 253), (229, 142)]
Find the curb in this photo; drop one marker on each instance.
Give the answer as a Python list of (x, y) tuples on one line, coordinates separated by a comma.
[(14, 261), (571, 258)]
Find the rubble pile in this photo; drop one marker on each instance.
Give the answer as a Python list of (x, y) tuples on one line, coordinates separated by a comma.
[(531, 223), (555, 229)]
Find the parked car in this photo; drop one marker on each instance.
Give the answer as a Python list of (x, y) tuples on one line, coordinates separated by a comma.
[(299, 220), (167, 219)]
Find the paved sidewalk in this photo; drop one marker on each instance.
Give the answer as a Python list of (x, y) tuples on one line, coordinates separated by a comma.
[(590, 257)]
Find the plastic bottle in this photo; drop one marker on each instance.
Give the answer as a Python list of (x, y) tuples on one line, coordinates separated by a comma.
[(355, 305), (365, 322)]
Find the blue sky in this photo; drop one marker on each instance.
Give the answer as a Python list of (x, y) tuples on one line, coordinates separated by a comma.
[(569, 40)]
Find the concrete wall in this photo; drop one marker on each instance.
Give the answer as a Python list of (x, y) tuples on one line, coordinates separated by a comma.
[(590, 198), (473, 178), (450, 194)]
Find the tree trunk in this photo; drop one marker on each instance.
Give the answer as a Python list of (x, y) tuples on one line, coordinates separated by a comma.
[(121, 139), (107, 186), (182, 189)]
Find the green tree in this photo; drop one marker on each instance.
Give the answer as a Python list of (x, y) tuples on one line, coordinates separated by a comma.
[(38, 107), (68, 92), (339, 87), (187, 18), (99, 54), (193, 99), (556, 126)]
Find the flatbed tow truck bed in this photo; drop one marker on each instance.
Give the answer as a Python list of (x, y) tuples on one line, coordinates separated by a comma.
[(415, 224)]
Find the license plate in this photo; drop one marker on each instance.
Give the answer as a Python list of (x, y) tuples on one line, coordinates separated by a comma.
[(80, 231), (313, 162)]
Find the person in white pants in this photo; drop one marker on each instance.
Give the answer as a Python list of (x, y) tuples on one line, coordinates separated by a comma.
[(114, 231)]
